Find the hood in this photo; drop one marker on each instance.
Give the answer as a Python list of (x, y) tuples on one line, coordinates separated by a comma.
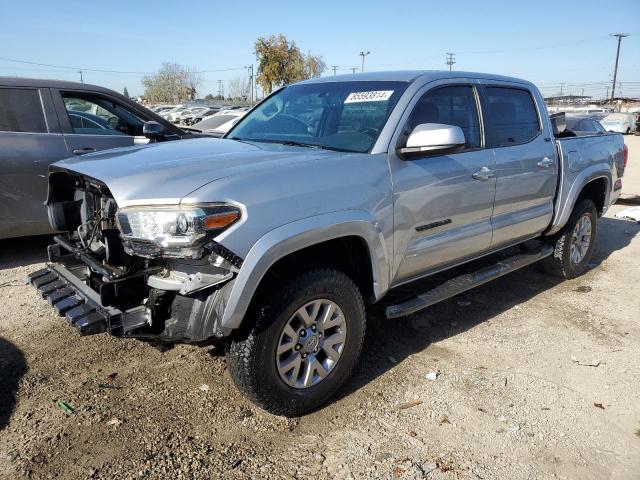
[(164, 173)]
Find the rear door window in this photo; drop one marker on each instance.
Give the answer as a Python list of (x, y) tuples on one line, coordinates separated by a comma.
[(21, 111), (513, 117)]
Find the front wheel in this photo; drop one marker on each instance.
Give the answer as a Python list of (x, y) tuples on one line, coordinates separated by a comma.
[(303, 345), (573, 248)]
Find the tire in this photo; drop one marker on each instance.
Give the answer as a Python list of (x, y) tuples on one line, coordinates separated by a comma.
[(561, 263), (251, 355)]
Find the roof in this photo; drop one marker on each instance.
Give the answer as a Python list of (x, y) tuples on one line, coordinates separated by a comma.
[(410, 76), (46, 83)]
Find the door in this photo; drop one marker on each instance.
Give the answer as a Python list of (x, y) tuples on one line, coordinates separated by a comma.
[(93, 121), (526, 164), (443, 203), (30, 141)]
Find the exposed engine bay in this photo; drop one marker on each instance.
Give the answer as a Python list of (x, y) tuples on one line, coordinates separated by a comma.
[(168, 288)]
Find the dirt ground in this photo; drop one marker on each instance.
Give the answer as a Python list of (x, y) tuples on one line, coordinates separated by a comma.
[(517, 395)]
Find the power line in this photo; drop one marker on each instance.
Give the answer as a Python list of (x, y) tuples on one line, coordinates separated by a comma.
[(99, 70)]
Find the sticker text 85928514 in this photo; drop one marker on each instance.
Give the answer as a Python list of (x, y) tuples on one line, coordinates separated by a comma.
[(375, 96)]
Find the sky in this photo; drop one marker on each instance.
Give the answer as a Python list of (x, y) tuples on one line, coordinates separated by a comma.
[(556, 45)]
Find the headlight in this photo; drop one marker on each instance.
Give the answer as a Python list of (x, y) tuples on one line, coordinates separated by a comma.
[(177, 232)]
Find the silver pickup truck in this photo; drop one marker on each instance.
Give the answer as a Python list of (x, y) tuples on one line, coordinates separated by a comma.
[(325, 197)]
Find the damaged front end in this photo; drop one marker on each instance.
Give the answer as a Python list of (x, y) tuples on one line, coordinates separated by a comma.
[(154, 273)]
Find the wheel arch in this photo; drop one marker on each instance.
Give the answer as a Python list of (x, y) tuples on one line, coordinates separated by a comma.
[(593, 183), (293, 243)]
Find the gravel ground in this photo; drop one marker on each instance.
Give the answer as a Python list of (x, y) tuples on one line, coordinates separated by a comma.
[(517, 394)]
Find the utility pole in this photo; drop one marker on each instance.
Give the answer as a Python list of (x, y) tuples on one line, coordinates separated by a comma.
[(561, 87), (220, 90), (363, 54), (251, 97), (620, 36), (451, 59), (353, 69), (81, 79), (334, 67)]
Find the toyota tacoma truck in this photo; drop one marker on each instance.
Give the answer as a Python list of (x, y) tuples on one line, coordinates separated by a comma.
[(325, 197)]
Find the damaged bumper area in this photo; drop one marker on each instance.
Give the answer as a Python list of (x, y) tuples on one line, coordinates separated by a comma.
[(99, 284)]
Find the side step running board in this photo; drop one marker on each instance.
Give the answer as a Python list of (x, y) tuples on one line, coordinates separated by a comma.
[(468, 281)]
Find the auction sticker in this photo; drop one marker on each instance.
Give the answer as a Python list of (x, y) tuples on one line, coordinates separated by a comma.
[(375, 96)]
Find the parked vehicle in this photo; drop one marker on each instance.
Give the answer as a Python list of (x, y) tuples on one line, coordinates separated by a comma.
[(221, 122), (170, 115), (584, 125), (620, 122), (186, 116), (328, 194), (198, 117), (43, 121)]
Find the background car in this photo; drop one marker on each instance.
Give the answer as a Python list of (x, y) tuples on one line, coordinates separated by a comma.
[(584, 125), (44, 121), (220, 123), (619, 122)]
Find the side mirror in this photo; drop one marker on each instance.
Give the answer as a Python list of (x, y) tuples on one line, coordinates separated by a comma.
[(432, 138), (156, 132)]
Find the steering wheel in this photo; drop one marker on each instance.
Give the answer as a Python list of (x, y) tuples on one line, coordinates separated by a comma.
[(113, 122), (372, 132), (289, 122)]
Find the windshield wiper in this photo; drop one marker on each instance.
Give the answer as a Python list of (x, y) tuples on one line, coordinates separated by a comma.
[(293, 143)]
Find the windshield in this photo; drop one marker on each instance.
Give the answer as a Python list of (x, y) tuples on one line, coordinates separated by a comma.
[(342, 116)]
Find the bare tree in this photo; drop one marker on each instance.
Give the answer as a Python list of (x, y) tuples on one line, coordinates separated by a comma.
[(238, 88), (173, 83)]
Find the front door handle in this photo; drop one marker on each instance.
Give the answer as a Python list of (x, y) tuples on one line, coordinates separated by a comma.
[(484, 174), (82, 151), (546, 162)]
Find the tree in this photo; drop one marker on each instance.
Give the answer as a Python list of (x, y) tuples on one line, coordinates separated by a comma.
[(172, 84), (209, 97), (126, 92), (238, 88), (314, 66), (280, 62)]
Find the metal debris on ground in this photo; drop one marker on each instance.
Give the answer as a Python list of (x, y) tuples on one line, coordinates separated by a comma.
[(586, 363), (432, 375), (108, 385), (598, 405), (64, 406), (632, 213), (412, 403)]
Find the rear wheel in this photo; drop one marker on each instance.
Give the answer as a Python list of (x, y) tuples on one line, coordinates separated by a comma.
[(573, 248), (303, 345)]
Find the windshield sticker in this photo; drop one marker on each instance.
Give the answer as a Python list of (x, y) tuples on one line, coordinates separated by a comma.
[(377, 96)]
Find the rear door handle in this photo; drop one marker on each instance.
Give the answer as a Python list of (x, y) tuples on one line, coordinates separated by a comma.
[(82, 151), (484, 174), (546, 162)]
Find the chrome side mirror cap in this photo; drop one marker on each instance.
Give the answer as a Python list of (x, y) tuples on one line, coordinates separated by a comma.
[(430, 139)]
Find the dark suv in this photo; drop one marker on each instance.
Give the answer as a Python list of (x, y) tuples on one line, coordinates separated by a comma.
[(42, 121)]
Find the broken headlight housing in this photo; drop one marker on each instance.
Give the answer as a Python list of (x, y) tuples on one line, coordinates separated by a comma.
[(173, 231)]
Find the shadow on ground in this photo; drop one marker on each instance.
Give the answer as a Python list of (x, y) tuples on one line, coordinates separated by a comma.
[(12, 367), (402, 337), (18, 252)]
